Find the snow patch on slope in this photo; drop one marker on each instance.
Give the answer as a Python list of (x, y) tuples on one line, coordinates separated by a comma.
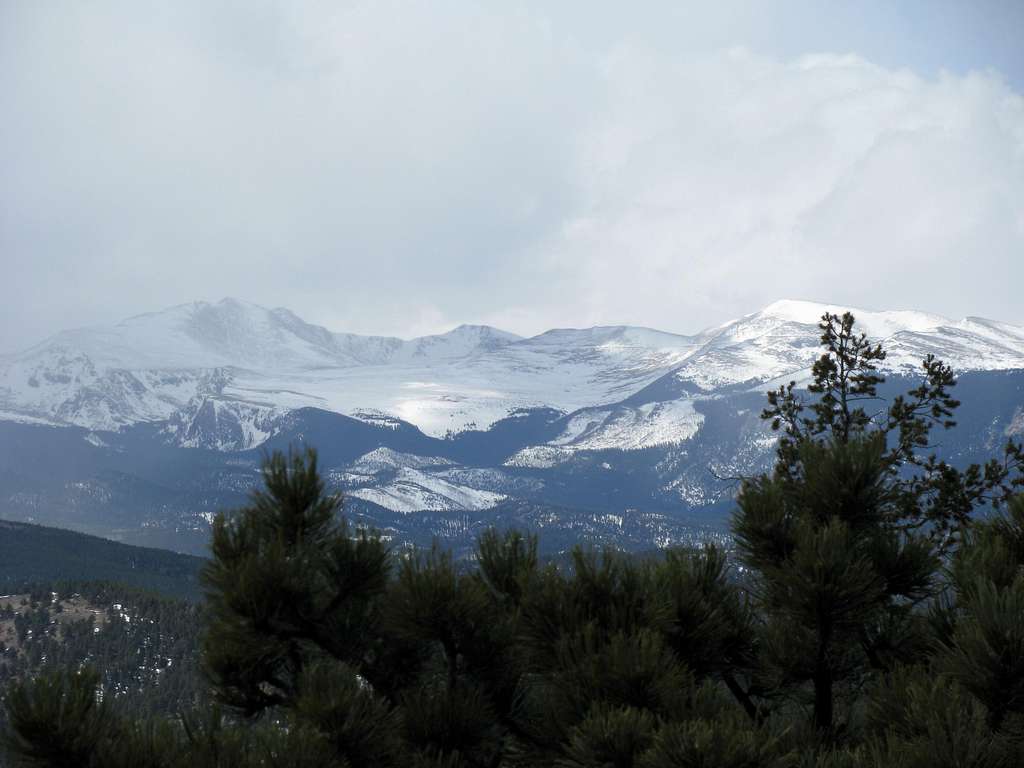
[(412, 491), (1016, 426), (632, 428), (385, 459), (539, 457), (623, 428), (222, 424)]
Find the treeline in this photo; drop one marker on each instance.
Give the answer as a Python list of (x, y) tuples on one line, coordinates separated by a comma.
[(870, 616)]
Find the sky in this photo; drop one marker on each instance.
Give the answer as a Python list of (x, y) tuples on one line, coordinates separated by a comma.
[(403, 167)]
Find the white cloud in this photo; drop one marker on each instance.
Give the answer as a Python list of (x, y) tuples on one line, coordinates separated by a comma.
[(725, 182), (399, 168)]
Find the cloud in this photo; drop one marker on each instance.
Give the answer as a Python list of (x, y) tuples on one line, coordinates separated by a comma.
[(722, 183), (399, 168)]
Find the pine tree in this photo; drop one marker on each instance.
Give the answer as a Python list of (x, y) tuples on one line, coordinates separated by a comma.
[(844, 537), (982, 640), (56, 720), (829, 572), (293, 605), (927, 493)]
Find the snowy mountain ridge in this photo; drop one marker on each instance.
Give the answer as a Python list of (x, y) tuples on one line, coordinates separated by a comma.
[(218, 375)]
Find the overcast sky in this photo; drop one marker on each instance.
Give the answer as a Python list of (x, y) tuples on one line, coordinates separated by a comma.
[(401, 168)]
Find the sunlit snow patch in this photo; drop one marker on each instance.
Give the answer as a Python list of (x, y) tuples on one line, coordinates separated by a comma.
[(632, 428), (412, 491), (383, 459), (539, 457)]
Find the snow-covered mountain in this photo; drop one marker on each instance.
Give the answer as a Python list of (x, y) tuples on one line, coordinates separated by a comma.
[(167, 365), (218, 374), (782, 341), (143, 429)]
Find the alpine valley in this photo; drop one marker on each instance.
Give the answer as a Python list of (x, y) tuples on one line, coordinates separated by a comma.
[(143, 430)]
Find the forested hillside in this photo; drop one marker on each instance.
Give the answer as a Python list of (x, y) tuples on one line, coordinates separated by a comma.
[(145, 647), (36, 554)]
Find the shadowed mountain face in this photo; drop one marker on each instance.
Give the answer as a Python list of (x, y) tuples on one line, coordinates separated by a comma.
[(143, 430)]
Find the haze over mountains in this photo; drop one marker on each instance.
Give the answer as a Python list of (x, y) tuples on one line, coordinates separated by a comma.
[(141, 430)]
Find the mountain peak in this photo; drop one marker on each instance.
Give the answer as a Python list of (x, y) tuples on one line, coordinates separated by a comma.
[(479, 331), (877, 325), (800, 310), (231, 301), (460, 341)]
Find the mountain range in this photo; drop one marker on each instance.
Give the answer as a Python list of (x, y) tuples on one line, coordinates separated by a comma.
[(142, 429)]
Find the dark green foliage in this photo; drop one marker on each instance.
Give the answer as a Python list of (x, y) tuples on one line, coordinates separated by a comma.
[(57, 720), (508, 565), (710, 620), (287, 585), (719, 744), (352, 722), (830, 573), (613, 737), (983, 645), (864, 619)]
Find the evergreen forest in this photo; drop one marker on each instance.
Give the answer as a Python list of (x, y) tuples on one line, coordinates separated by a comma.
[(144, 646)]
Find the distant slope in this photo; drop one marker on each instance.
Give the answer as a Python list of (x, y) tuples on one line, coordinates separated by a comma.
[(38, 554)]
